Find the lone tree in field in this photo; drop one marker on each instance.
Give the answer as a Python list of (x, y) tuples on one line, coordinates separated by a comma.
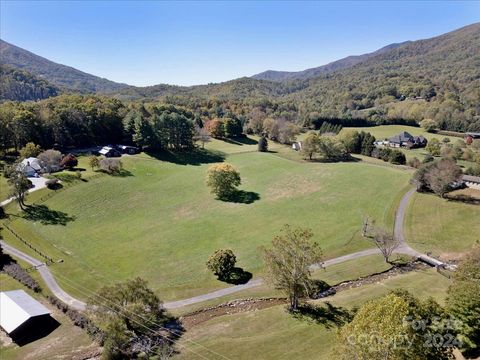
[(94, 162), (222, 179), (130, 317), (386, 242), (288, 262), (263, 144), (221, 263), (395, 327), (19, 185), (463, 301)]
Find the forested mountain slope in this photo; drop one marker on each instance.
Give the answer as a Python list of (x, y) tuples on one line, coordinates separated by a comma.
[(347, 62), (57, 74), (20, 85)]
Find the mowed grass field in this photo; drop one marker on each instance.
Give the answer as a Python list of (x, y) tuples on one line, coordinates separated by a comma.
[(445, 228), (274, 334), (160, 221)]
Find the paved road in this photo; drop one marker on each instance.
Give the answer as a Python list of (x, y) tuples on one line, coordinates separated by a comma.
[(79, 305), (46, 276), (38, 183)]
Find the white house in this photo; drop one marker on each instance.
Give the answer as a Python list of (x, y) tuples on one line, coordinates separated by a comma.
[(20, 314), (472, 182), (30, 166)]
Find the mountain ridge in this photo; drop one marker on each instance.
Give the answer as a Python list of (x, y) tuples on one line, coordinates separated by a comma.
[(57, 74), (346, 62)]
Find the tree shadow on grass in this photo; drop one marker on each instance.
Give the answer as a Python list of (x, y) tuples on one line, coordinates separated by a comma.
[(46, 216), (241, 197), (325, 314), (240, 141), (194, 157), (237, 276)]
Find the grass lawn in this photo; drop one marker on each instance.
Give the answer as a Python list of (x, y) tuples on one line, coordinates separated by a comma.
[(66, 341), (273, 334), (4, 188), (440, 226), (160, 222)]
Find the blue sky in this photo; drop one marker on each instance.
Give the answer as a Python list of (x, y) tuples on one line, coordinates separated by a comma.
[(185, 43)]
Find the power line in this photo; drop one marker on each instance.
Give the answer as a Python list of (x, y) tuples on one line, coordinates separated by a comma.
[(87, 290)]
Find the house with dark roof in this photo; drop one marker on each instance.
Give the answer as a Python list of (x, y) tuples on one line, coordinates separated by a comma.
[(405, 139), (109, 151)]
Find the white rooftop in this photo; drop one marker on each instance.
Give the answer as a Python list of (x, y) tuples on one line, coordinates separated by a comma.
[(16, 307)]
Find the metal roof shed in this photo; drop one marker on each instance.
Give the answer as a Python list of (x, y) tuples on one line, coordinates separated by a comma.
[(18, 308)]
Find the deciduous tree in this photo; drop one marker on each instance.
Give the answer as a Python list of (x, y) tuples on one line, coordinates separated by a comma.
[(221, 263), (288, 262), (396, 327), (222, 180)]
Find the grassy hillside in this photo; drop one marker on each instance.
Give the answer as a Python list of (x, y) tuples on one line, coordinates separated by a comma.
[(162, 223), (273, 334), (445, 228)]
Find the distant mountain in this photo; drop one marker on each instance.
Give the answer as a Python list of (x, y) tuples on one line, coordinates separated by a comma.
[(349, 61), (20, 85), (56, 74)]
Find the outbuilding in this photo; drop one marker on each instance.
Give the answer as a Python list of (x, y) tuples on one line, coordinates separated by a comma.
[(472, 182), (108, 151), (127, 149), (22, 317)]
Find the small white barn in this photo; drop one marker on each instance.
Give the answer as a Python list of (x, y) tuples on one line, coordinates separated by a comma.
[(297, 145), (30, 166), (20, 313)]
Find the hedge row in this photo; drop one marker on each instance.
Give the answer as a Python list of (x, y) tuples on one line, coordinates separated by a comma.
[(77, 317), (18, 273)]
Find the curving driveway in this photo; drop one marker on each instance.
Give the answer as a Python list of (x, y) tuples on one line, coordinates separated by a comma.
[(404, 248)]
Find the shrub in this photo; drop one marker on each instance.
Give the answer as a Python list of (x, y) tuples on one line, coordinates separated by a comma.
[(18, 273), (414, 162), (222, 262), (75, 316), (397, 157), (52, 183), (69, 161), (94, 162), (3, 215), (111, 166)]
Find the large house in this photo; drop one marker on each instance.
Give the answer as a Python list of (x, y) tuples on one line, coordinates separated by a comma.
[(405, 139), (21, 315), (31, 167)]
